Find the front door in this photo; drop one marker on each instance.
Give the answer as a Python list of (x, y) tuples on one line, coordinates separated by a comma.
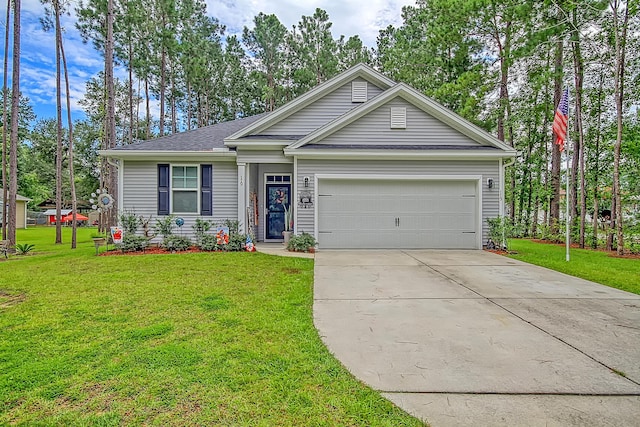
[(278, 201)]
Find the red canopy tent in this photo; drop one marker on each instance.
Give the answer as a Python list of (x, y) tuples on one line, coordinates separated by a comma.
[(69, 217)]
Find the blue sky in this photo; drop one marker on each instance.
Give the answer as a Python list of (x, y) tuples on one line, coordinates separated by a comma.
[(350, 17)]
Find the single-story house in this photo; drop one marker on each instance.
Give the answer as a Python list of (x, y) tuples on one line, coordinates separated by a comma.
[(21, 210), (360, 161)]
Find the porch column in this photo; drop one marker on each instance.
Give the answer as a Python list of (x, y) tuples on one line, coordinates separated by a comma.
[(242, 199)]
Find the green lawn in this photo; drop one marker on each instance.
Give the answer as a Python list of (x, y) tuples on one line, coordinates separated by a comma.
[(596, 266), (186, 339)]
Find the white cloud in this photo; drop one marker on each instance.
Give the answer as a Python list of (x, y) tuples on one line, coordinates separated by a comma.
[(351, 17)]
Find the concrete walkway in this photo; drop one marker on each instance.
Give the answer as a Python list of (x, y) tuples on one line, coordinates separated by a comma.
[(461, 338)]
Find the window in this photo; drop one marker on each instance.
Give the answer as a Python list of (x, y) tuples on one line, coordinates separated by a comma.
[(185, 189)]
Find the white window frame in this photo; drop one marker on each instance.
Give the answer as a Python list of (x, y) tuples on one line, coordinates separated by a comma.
[(197, 189)]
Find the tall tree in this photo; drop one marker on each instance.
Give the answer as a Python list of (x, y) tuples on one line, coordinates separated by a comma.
[(15, 105), (266, 41), (620, 14), (5, 117), (110, 122)]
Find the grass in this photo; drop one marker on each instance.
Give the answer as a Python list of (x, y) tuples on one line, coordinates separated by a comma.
[(597, 266), (185, 339)]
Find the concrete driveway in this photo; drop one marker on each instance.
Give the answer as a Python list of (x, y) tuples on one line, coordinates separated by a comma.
[(462, 338)]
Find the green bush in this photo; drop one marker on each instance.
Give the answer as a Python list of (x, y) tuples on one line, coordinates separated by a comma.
[(176, 243), (133, 243), (130, 222), (24, 248), (303, 242), (236, 242), (200, 228), (208, 242), (500, 231), (165, 226)]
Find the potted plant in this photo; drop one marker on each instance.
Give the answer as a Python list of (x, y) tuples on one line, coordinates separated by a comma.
[(288, 223)]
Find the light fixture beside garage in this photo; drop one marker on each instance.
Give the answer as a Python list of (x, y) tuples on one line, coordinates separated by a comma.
[(490, 182)]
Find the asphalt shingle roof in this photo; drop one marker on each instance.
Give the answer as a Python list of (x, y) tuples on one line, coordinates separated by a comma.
[(205, 138)]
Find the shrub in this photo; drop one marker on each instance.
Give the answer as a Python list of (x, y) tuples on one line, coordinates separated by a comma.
[(236, 242), (234, 225), (208, 242), (24, 248), (200, 229), (165, 226), (500, 231), (130, 222), (133, 243), (176, 243), (303, 242)]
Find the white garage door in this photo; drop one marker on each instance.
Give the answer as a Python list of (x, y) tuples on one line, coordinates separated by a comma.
[(409, 214)]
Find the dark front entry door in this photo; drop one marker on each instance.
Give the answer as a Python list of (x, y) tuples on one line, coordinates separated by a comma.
[(278, 197)]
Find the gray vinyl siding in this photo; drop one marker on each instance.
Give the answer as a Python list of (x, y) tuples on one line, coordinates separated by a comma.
[(320, 112), (486, 169), (375, 129), (262, 156), (140, 192)]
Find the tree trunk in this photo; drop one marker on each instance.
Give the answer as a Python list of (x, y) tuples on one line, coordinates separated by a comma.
[(15, 108), (578, 152), (130, 69), (56, 8), (110, 125), (596, 196), (554, 209), (5, 119), (163, 59), (620, 45), (148, 107), (74, 200)]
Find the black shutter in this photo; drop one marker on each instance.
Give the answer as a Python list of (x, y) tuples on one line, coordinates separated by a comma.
[(206, 193), (163, 189)]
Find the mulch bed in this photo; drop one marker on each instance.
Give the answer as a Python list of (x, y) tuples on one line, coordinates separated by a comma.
[(151, 250)]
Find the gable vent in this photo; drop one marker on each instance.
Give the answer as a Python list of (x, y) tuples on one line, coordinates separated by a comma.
[(358, 91), (398, 118)]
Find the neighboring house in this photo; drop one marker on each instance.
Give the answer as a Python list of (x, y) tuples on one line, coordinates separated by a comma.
[(21, 210), (364, 162)]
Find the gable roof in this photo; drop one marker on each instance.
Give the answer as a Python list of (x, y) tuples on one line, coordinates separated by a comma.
[(416, 98), (360, 70), (204, 139), (19, 198)]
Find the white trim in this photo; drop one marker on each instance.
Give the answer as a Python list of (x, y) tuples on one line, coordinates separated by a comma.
[(294, 199), (265, 201), (501, 184), (197, 189), (242, 201), (120, 200), (392, 154), (377, 177), (261, 144), (198, 156)]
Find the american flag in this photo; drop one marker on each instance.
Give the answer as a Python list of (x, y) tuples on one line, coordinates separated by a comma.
[(560, 120)]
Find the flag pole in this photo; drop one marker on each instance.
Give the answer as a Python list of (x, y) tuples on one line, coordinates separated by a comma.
[(567, 217)]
